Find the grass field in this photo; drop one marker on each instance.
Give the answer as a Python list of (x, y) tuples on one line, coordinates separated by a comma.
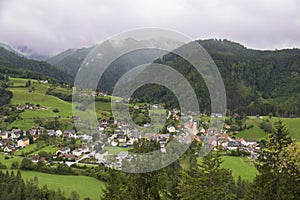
[(293, 125), (115, 150), (10, 159), (21, 95), (83, 185), (254, 133), (26, 150), (240, 167), (19, 82), (48, 149)]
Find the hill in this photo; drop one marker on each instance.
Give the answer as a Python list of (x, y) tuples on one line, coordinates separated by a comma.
[(70, 60), (256, 82), (15, 65)]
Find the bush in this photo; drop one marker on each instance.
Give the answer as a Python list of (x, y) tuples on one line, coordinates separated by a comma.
[(2, 166), (55, 110), (15, 165)]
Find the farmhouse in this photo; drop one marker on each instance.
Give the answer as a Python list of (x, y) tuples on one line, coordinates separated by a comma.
[(63, 150), (4, 135), (23, 142)]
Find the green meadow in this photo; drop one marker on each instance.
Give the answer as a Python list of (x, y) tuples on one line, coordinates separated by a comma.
[(8, 159), (240, 166), (292, 124), (83, 185)]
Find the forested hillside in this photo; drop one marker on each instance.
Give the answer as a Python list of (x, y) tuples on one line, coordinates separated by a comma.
[(18, 66), (256, 82)]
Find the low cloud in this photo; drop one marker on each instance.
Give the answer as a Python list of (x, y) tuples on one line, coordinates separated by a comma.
[(49, 27)]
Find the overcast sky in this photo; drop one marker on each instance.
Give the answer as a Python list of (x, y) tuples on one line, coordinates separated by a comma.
[(51, 26)]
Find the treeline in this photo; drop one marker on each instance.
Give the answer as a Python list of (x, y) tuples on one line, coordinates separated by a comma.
[(65, 97), (41, 166), (13, 187), (278, 178), (6, 95)]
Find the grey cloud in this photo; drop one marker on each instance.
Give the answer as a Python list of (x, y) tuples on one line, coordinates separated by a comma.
[(49, 27)]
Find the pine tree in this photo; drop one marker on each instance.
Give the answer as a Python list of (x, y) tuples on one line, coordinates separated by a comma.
[(208, 181), (274, 182)]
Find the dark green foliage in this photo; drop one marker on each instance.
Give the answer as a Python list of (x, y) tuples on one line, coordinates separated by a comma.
[(13, 187), (5, 96), (26, 164), (2, 166), (266, 125), (256, 82), (55, 110), (65, 97), (10, 63), (207, 181), (275, 181)]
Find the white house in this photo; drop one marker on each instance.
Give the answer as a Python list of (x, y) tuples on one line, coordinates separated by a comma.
[(171, 129), (101, 155), (4, 135), (8, 149), (23, 142), (64, 150)]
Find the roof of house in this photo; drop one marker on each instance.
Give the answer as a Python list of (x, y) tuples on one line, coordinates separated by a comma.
[(25, 139)]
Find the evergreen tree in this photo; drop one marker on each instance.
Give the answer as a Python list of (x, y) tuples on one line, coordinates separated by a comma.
[(274, 182), (208, 181)]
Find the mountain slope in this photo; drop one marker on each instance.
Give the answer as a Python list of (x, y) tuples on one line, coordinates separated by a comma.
[(256, 82), (70, 60), (10, 61)]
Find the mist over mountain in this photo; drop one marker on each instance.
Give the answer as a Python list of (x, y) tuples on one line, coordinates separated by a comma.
[(256, 81)]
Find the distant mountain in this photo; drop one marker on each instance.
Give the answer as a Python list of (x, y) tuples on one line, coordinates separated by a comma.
[(13, 63), (71, 60)]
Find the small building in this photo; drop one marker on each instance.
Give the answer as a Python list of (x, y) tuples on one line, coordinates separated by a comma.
[(8, 149), (64, 150), (171, 129), (101, 155), (4, 135), (23, 142)]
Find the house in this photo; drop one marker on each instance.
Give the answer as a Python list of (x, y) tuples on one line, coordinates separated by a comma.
[(81, 150), (32, 132), (101, 155), (68, 156), (251, 142), (77, 152), (51, 133), (4, 135), (23, 142), (70, 133), (234, 145), (9, 149), (15, 135), (104, 122), (64, 150), (58, 133), (171, 129), (121, 138), (37, 158)]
